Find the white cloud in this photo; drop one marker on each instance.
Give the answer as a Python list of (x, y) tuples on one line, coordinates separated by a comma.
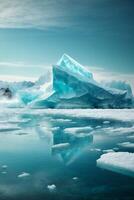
[(16, 78), (38, 14)]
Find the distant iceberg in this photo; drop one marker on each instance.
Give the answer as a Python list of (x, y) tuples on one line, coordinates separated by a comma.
[(71, 85)]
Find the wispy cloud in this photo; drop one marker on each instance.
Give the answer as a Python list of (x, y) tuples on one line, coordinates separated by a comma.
[(22, 65), (41, 14)]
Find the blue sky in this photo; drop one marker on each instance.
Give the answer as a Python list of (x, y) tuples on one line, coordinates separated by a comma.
[(97, 33)]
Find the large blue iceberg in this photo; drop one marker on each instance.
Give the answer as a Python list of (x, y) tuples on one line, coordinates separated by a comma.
[(71, 85)]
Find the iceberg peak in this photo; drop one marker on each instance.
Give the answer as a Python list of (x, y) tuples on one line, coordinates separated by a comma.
[(71, 66)]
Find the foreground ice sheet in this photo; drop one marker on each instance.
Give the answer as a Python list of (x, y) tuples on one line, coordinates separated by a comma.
[(120, 162)]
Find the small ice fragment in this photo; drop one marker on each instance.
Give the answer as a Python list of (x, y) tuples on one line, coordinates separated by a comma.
[(4, 166), (75, 178), (95, 149), (107, 150), (97, 127), (23, 174), (106, 122), (51, 188), (61, 146), (78, 130), (4, 172)]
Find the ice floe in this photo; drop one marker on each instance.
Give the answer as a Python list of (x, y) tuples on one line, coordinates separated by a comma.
[(127, 145), (107, 150), (61, 146), (51, 188), (23, 174), (4, 166), (120, 162), (75, 178)]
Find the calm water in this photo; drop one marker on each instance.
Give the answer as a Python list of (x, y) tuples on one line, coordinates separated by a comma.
[(26, 145)]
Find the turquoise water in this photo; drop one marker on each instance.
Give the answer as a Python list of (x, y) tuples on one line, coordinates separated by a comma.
[(26, 145)]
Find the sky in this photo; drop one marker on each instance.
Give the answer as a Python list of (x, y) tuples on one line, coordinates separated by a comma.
[(97, 33)]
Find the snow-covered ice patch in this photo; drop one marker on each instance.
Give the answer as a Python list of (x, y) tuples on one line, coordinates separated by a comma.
[(120, 162), (4, 172), (95, 149)]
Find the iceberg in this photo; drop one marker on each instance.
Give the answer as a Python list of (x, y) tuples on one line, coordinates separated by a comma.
[(120, 162), (72, 85)]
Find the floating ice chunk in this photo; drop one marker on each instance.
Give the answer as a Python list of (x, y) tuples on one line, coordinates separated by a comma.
[(4, 172), (61, 146), (4, 166), (51, 188), (106, 122), (107, 150), (77, 130), (95, 149), (120, 162), (23, 174), (75, 178), (127, 145)]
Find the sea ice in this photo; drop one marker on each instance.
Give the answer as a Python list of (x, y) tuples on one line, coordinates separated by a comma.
[(23, 174), (120, 162), (107, 150)]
